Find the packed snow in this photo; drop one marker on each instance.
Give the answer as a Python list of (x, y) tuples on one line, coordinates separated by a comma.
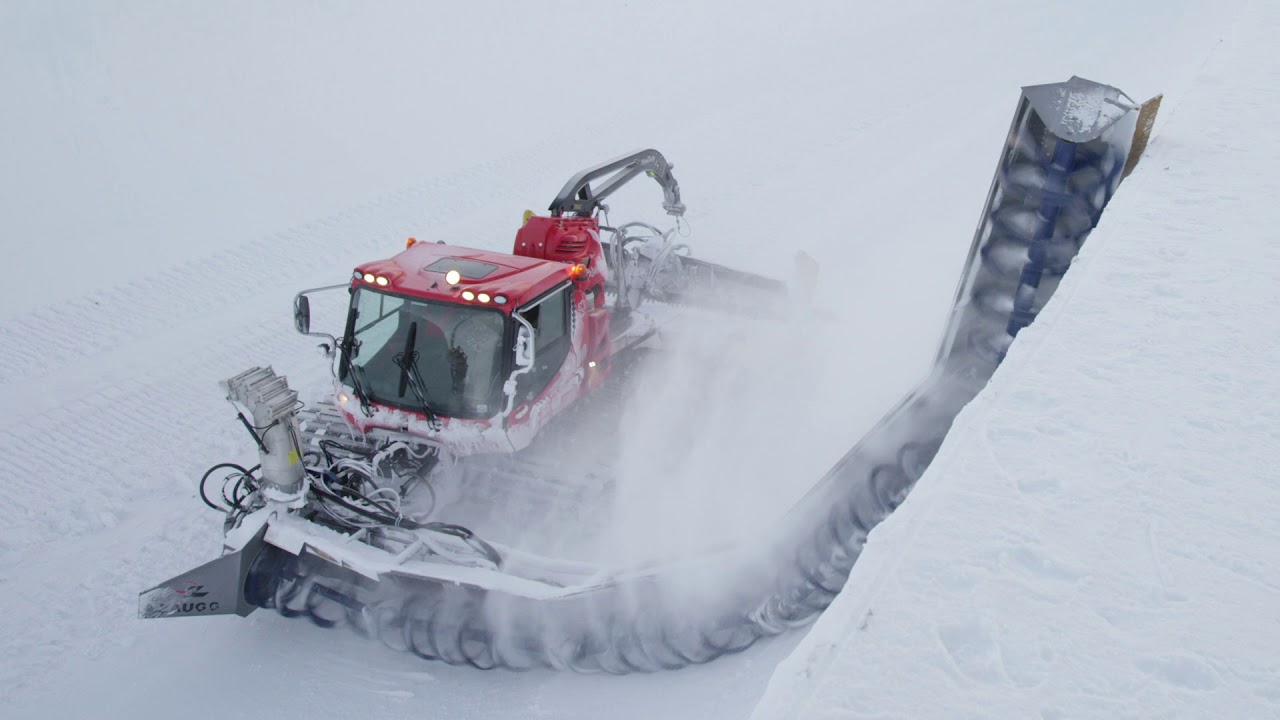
[(1097, 536), (176, 171)]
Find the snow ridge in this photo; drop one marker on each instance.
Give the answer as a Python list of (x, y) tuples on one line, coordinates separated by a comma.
[(1095, 538)]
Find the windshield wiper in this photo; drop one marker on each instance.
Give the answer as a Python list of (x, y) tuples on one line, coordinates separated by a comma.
[(407, 361), (357, 383)]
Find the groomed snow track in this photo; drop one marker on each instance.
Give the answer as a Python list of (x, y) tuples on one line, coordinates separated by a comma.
[(1047, 194)]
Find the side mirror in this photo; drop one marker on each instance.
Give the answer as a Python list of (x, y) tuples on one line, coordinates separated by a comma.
[(524, 347), (302, 314)]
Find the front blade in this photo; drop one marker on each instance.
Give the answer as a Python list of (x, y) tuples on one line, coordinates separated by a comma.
[(215, 588)]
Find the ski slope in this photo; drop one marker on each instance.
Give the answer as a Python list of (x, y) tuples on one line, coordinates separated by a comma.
[(176, 171), (1097, 536)]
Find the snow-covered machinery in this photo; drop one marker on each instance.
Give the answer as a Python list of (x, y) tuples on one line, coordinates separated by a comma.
[(342, 543), (453, 362)]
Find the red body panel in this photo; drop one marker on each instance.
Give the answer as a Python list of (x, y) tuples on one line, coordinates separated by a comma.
[(576, 240), (519, 279)]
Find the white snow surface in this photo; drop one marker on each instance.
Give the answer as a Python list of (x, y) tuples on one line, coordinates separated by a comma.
[(171, 173), (1098, 536)]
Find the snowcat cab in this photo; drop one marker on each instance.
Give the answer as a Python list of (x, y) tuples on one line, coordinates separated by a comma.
[(471, 351), (453, 346)]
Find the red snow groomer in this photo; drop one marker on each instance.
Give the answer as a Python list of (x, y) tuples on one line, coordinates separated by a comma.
[(473, 391)]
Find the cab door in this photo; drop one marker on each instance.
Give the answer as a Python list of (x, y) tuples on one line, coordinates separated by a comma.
[(549, 316)]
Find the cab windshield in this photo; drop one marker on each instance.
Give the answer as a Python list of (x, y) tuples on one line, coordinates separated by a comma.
[(430, 357)]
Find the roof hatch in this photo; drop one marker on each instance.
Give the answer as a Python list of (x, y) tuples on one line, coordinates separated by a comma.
[(469, 269)]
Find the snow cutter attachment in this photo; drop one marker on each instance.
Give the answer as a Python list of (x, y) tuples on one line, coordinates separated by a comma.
[(1067, 150), (352, 550), (355, 541)]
